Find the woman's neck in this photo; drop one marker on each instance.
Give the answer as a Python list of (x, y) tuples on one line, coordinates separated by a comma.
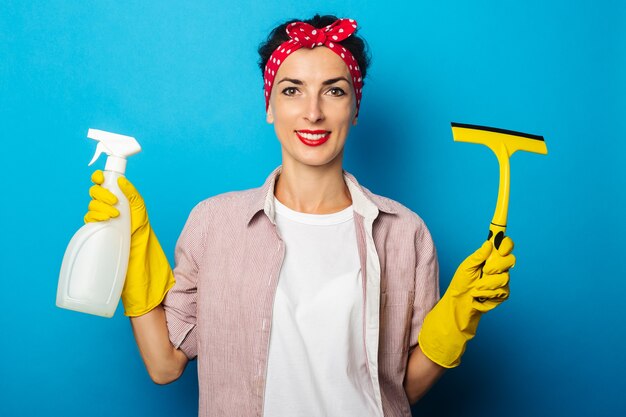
[(312, 189)]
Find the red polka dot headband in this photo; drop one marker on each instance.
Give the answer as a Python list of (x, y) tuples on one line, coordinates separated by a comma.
[(304, 35)]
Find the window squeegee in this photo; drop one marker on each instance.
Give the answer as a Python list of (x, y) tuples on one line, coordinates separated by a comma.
[(503, 143)]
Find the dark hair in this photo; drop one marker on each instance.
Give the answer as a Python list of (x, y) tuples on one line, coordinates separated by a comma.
[(356, 45)]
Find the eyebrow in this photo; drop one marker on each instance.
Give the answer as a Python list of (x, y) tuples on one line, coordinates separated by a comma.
[(327, 82)]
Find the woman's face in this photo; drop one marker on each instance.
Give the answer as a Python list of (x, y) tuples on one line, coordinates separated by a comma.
[(312, 106)]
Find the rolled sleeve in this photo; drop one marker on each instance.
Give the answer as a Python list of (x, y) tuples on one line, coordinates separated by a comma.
[(426, 281), (180, 303)]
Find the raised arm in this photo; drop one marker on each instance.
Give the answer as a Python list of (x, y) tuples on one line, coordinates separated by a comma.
[(148, 279), (453, 321)]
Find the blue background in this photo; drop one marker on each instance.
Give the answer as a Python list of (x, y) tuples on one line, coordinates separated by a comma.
[(182, 78)]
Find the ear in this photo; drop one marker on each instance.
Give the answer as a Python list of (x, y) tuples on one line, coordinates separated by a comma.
[(269, 116), (354, 121)]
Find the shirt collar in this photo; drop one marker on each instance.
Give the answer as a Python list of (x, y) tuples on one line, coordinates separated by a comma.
[(364, 202)]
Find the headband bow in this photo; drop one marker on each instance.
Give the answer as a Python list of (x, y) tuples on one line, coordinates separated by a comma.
[(308, 36), (302, 34)]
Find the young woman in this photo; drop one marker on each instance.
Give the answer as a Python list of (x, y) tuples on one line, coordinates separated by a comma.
[(310, 295)]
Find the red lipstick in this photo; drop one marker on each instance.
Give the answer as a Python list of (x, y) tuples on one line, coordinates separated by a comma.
[(313, 137)]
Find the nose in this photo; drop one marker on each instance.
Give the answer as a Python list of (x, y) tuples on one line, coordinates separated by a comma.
[(313, 111)]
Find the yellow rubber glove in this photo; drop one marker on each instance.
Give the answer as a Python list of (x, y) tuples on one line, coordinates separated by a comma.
[(453, 321), (149, 276)]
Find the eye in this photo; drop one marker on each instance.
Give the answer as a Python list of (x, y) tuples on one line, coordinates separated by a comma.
[(337, 92), (289, 91)]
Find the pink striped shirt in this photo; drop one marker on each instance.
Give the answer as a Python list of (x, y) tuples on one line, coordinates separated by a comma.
[(228, 260)]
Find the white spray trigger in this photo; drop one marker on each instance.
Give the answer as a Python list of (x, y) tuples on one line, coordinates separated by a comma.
[(99, 149), (117, 147)]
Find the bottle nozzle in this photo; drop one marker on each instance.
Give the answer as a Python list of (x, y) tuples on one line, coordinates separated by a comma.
[(117, 147)]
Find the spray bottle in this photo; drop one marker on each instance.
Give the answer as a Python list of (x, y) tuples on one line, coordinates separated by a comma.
[(95, 261)]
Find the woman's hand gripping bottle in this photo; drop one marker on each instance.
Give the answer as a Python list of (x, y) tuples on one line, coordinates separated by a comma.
[(116, 252)]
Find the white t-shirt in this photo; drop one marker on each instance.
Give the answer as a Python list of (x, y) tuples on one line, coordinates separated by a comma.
[(317, 364)]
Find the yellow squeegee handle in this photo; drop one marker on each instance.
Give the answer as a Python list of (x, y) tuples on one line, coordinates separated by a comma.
[(497, 228), (503, 143), (495, 140), (498, 222)]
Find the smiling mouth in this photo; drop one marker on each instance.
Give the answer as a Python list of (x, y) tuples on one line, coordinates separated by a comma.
[(313, 137)]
